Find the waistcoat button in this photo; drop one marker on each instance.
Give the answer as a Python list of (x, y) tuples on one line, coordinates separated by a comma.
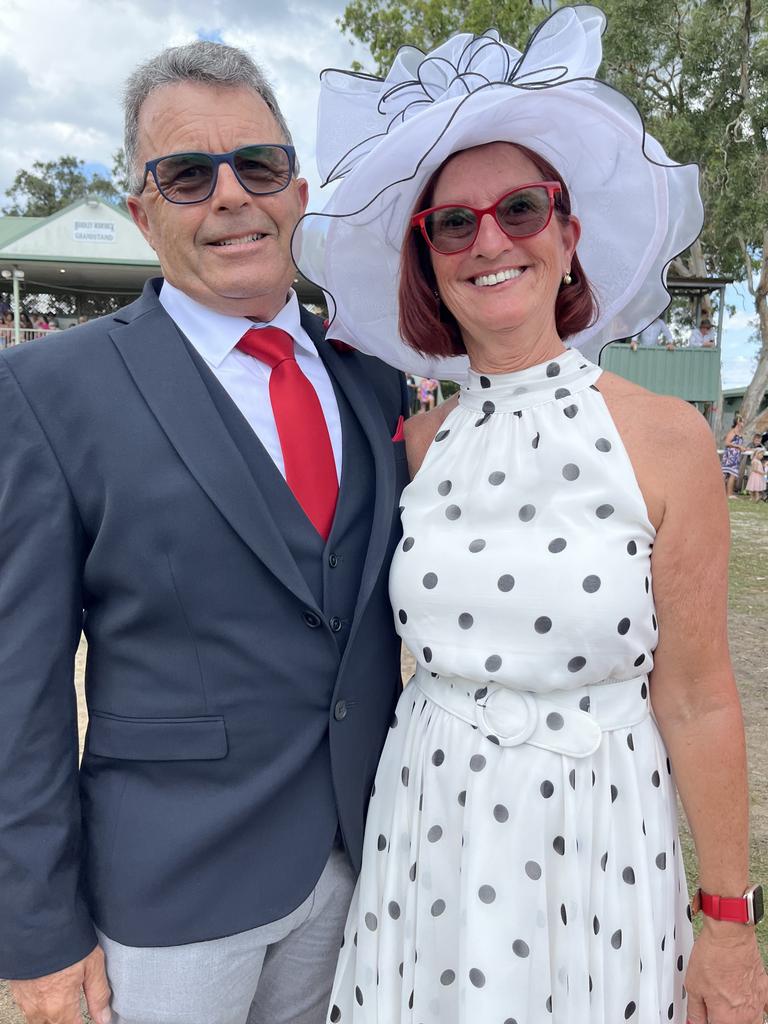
[(340, 711), (310, 619), (333, 559), (335, 624)]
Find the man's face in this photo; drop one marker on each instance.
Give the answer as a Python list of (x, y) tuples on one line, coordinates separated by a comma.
[(251, 277)]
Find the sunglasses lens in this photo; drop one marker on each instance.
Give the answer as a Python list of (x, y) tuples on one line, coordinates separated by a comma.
[(263, 169), (525, 212), (185, 177), (451, 228)]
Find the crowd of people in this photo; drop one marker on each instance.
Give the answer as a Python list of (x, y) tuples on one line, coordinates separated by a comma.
[(744, 465), (31, 325), (658, 333)]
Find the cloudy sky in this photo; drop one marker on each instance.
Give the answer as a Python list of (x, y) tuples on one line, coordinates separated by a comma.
[(62, 65)]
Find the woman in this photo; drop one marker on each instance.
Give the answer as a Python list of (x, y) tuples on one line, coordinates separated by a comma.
[(521, 861), (731, 460)]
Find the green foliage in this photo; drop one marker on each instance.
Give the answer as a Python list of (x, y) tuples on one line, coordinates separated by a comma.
[(53, 184)]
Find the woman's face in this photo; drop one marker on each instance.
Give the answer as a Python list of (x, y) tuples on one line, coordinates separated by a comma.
[(526, 302)]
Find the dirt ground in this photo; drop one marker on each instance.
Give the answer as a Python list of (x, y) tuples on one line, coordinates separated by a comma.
[(748, 623)]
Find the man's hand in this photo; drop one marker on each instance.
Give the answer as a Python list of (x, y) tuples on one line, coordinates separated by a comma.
[(55, 998)]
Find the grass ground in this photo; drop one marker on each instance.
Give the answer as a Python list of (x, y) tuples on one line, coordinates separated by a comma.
[(748, 626)]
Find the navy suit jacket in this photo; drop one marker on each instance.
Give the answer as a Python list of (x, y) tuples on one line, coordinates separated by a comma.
[(229, 732)]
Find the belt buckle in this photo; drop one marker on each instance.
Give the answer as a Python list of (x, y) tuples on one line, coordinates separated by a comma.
[(529, 724)]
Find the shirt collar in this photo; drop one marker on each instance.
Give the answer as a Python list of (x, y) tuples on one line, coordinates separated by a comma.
[(214, 334)]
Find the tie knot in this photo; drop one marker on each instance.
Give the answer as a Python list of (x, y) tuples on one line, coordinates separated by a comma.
[(268, 344)]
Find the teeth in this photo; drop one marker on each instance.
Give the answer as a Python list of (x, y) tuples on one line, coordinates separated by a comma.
[(239, 241), (488, 279)]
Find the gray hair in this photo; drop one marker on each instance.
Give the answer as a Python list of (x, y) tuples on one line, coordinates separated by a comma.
[(204, 62)]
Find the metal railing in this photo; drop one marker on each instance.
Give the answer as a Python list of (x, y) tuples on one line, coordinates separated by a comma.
[(8, 334)]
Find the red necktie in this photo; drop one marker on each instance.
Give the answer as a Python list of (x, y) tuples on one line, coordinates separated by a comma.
[(310, 469)]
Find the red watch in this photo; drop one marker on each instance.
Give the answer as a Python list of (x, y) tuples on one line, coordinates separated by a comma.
[(746, 909)]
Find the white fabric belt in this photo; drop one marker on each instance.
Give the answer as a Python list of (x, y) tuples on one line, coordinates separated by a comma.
[(570, 722)]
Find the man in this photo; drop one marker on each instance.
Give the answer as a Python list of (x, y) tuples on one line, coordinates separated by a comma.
[(170, 482), (652, 335), (702, 336)]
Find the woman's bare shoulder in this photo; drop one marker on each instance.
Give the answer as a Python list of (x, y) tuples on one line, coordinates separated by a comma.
[(420, 431)]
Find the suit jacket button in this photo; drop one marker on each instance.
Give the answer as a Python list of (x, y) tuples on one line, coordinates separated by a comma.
[(310, 619), (333, 559), (335, 624), (340, 711)]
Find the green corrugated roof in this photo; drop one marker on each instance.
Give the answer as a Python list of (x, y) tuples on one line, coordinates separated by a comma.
[(14, 227), (692, 374)]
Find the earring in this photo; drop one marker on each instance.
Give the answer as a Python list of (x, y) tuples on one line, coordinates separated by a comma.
[(567, 279)]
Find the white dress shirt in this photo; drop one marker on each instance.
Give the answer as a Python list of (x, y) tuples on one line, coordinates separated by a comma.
[(654, 332), (698, 337), (245, 379)]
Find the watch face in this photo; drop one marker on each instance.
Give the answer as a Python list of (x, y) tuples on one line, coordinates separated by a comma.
[(757, 903)]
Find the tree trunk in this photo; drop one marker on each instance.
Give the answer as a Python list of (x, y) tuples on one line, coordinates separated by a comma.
[(753, 396)]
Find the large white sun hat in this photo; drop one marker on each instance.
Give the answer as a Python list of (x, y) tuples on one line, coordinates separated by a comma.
[(382, 140)]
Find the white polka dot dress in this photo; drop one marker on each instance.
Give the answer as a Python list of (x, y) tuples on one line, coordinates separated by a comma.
[(521, 862)]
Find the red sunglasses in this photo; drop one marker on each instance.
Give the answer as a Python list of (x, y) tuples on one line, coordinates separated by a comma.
[(521, 213)]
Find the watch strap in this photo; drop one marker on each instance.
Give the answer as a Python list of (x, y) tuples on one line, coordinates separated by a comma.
[(725, 908)]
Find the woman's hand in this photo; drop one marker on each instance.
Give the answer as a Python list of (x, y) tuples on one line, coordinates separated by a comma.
[(726, 981)]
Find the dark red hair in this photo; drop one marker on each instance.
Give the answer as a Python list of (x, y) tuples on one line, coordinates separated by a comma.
[(425, 322)]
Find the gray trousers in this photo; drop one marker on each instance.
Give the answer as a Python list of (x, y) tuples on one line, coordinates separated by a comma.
[(280, 973)]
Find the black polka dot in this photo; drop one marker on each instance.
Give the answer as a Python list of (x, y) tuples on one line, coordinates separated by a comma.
[(526, 513), (572, 778), (493, 663), (381, 843), (616, 939), (604, 511), (553, 370), (558, 845), (549, 1004), (444, 487), (393, 909), (466, 621), (543, 624), (603, 444), (441, 435), (427, 652), (489, 408), (647, 585), (670, 1011), (562, 393), (358, 995), (506, 583), (604, 861), (654, 623), (623, 626), (576, 664), (661, 861), (595, 924), (680, 963), (533, 870), (476, 763), (335, 1014), (477, 977), (437, 908), (630, 1009), (632, 548), (570, 411), (614, 794), (656, 779), (628, 875), (546, 789), (408, 543), (486, 894), (402, 616), (557, 545), (435, 834), (485, 382), (447, 978), (571, 471), (405, 775), (481, 693), (453, 512), (591, 584), (500, 813), (555, 721), (630, 742), (462, 798), (563, 914), (520, 948), (639, 660), (535, 441), (438, 757), (644, 691), (371, 922), (412, 872)]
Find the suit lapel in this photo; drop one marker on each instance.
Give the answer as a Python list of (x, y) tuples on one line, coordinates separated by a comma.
[(163, 371), (349, 375)]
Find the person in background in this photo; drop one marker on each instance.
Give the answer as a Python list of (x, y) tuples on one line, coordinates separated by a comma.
[(703, 336), (756, 481), (731, 459), (654, 334), (427, 394)]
